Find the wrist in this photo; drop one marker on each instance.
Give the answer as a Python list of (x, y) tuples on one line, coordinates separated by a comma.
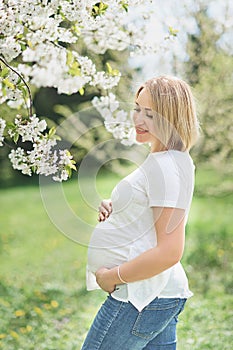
[(120, 277), (115, 276)]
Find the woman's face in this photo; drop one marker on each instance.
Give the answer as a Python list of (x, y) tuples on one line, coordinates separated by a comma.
[(143, 119)]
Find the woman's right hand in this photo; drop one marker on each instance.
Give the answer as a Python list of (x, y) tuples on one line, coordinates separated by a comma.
[(105, 209)]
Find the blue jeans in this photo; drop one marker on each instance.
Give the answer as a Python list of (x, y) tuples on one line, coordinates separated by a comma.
[(119, 325)]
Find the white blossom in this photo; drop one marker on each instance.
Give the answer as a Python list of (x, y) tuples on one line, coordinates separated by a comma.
[(29, 130), (34, 30), (63, 176), (117, 121), (42, 159), (108, 101), (121, 116), (9, 48), (105, 81), (17, 103), (19, 161), (2, 128)]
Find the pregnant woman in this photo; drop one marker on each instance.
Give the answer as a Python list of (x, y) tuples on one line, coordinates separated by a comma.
[(135, 250)]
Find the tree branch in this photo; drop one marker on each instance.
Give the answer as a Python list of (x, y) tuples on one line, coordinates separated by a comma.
[(25, 83)]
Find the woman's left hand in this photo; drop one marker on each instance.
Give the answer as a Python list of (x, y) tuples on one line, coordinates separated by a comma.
[(104, 280)]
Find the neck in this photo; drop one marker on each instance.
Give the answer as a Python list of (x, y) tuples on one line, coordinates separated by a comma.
[(157, 147)]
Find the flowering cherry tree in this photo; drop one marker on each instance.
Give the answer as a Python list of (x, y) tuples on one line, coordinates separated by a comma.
[(39, 46)]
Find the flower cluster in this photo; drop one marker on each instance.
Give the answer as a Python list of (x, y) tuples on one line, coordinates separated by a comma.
[(116, 120), (8, 87), (35, 29), (45, 35), (2, 128), (42, 159), (41, 31)]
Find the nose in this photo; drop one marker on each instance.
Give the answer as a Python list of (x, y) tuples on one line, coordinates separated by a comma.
[(138, 118)]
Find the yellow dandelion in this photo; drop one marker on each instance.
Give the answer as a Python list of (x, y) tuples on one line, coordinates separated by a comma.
[(54, 304), (23, 330), (19, 313), (2, 336), (40, 295), (29, 328), (38, 310), (14, 334), (47, 306)]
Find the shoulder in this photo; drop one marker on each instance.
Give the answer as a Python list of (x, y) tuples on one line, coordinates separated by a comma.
[(169, 162)]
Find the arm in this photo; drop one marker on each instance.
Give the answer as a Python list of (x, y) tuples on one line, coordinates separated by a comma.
[(170, 230)]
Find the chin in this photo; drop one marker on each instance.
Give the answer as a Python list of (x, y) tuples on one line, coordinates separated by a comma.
[(141, 139)]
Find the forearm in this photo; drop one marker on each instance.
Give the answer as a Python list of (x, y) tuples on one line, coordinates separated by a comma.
[(146, 265)]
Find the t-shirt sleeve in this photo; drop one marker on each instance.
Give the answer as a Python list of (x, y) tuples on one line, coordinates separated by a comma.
[(168, 182)]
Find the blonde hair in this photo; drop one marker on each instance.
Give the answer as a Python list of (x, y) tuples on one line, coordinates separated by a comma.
[(175, 119)]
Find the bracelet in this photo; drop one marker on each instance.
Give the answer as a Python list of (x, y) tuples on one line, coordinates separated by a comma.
[(119, 275)]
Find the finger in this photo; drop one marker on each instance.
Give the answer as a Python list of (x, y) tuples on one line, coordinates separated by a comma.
[(101, 217), (104, 211), (107, 209), (107, 205)]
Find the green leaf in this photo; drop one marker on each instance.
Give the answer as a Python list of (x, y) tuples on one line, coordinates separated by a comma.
[(111, 71), (23, 46), (99, 9), (109, 68), (4, 92), (68, 153), (124, 5), (52, 132), (81, 91), (68, 170), (16, 137), (69, 58), (72, 166), (29, 43), (102, 7), (8, 83), (173, 31), (23, 89), (56, 137), (4, 72), (10, 125), (76, 30), (74, 68)]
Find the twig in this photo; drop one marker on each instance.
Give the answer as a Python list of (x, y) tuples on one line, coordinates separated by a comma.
[(25, 83)]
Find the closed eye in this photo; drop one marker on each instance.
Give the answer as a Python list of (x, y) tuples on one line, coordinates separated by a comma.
[(138, 109)]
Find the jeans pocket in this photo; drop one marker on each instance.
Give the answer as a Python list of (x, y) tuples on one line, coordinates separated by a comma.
[(155, 317)]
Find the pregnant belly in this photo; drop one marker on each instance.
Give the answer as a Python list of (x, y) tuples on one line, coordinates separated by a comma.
[(108, 247)]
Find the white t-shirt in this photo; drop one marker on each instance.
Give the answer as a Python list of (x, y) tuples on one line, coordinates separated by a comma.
[(165, 179)]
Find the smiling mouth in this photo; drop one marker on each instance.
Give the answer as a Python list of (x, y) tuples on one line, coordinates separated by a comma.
[(141, 131)]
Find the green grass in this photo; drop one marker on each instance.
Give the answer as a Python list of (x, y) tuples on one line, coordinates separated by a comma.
[(43, 300)]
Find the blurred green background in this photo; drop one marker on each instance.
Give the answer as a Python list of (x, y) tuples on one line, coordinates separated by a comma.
[(43, 300)]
